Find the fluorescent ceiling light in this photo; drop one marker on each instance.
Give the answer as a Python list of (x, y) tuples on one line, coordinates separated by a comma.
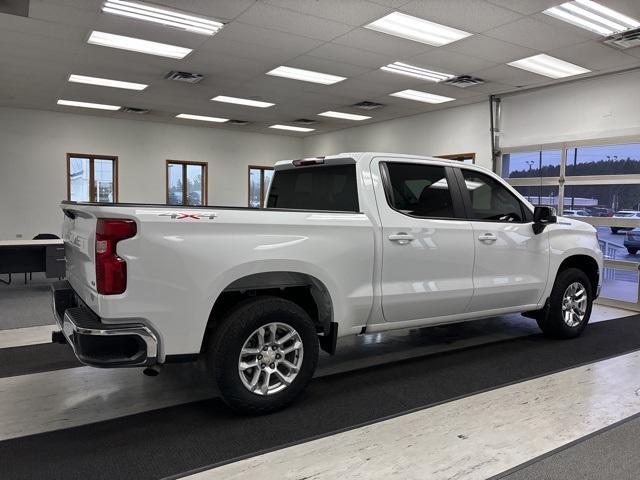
[(105, 82), (292, 128), (188, 116), (417, 29), (419, 96), (549, 66), (346, 116), (305, 75), (242, 101), (163, 16), (593, 17), (99, 106), (137, 45), (416, 72)]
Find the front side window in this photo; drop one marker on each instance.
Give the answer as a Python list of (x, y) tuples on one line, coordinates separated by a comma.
[(92, 178), (315, 188), (419, 190), (490, 200), (186, 183)]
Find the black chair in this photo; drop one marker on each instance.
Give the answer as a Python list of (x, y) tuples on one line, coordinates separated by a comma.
[(41, 236)]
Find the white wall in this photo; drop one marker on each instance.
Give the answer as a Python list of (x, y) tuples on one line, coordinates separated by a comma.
[(463, 129), (34, 144), (591, 109)]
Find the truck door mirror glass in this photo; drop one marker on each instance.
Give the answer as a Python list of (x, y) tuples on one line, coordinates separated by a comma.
[(543, 216)]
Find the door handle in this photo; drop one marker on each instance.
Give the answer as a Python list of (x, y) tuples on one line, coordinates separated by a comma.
[(402, 238), (487, 237)]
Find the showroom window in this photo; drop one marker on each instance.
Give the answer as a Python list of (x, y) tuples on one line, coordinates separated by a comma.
[(186, 183), (490, 200), (597, 183), (419, 190), (259, 181), (92, 178)]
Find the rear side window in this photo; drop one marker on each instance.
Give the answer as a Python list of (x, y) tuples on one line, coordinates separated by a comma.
[(315, 188), (419, 190), (490, 200)]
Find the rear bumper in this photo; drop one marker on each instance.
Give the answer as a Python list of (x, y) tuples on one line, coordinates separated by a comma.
[(96, 343)]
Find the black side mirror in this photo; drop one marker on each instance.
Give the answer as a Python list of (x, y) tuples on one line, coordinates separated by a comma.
[(543, 216)]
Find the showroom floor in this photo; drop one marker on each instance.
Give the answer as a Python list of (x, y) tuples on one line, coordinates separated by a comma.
[(468, 401)]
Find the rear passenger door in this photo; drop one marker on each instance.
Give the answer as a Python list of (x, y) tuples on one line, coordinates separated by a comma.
[(511, 262), (427, 248)]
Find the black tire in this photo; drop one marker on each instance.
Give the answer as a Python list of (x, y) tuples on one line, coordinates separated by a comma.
[(552, 322), (236, 327), (632, 251), (614, 230)]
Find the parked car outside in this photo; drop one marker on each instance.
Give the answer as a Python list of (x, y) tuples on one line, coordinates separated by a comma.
[(624, 214), (575, 213), (632, 241)]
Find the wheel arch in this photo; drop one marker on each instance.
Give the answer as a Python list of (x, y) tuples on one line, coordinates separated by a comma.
[(587, 264)]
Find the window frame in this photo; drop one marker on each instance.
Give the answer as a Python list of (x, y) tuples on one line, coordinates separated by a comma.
[(204, 181), (525, 211), (263, 192), (92, 187), (459, 211)]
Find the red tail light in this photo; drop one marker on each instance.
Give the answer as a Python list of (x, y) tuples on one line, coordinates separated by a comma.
[(111, 270)]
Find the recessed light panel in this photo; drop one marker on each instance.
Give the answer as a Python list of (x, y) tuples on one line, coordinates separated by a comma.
[(346, 116), (242, 101), (593, 17), (163, 16), (416, 72), (417, 29), (99, 106), (137, 45), (188, 116), (292, 128), (549, 66), (419, 96), (305, 75), (105, 82)]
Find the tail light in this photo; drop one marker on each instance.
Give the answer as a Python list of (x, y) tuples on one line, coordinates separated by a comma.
[(111, 270)]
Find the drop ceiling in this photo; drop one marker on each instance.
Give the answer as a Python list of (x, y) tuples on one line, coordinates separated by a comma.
[(39, 52)]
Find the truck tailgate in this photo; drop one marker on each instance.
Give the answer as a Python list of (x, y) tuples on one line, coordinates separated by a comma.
[(78, 233)]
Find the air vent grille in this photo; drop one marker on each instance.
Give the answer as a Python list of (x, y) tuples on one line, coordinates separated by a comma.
[(628, 39), (305, 121), (138, 111), (366, 105), (239, 122), (186, 77), (464, 81)]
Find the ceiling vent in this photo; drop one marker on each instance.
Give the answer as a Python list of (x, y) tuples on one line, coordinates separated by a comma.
[(138, 111), (305, 121), (628, 39), (366, 105), (238, 122), (186, 77), (464, 81)]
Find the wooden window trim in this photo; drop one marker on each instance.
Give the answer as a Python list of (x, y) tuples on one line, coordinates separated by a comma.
[(92, 187), (262, 168), (459, 157), (205, 179)]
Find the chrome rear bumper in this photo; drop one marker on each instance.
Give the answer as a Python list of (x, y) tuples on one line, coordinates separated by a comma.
[(96, 343)]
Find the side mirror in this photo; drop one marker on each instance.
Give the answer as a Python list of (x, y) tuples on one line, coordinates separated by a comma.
[(543, 216)]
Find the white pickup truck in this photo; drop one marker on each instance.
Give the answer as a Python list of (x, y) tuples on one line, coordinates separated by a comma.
[(347, 244)]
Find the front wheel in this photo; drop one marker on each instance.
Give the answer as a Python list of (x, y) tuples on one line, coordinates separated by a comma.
[(263, 354), (614, 230), (569, 306), (632, 251)]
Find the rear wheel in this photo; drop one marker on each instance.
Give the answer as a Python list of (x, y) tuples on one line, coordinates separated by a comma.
[(614, 230), (263, 354), (569, 307), (632, 251)]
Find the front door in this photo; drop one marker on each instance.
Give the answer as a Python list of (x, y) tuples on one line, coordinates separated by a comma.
[(511, 263), (427, 248)]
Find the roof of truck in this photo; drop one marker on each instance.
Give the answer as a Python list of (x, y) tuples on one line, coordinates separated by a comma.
[(365, 156)]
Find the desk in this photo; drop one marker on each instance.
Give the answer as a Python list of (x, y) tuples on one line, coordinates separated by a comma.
[(26, 256)]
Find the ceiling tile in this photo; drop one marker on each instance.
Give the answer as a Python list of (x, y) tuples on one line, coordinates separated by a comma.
[(318, 64), (490, 49), (282, 20), (381, 43), (474, 16), (353, 56), (532, 33), (351, 12), (449, 61), (594, 56), (526, 7), (509, 75)]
